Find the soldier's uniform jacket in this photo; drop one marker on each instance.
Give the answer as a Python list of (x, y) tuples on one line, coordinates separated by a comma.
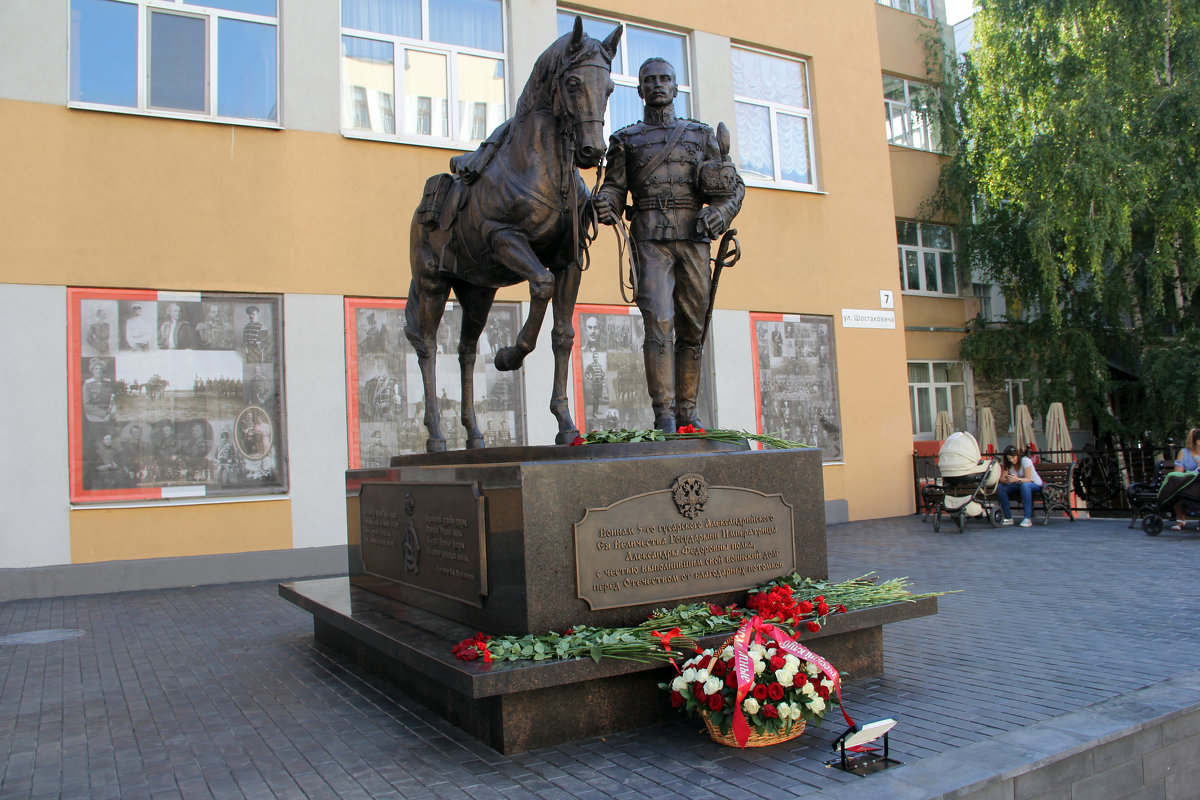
[(666, 195)]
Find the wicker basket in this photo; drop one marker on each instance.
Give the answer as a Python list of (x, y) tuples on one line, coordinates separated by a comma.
[(756, 739)]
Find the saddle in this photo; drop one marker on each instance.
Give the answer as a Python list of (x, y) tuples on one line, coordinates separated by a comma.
[(444, 197)]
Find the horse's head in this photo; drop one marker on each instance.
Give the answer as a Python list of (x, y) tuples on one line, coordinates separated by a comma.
[(582, 85)]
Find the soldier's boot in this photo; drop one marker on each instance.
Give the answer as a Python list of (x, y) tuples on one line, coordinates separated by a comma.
[(660, 382), (687, 386)]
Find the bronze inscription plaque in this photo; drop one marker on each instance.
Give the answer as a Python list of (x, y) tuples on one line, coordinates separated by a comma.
[(689, 540), (426, 535)]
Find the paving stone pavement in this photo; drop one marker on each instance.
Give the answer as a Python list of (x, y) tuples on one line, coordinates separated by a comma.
[(221, 692)]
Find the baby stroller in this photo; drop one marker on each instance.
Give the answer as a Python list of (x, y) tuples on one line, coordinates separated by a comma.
[(966, 483), (1176, 487)]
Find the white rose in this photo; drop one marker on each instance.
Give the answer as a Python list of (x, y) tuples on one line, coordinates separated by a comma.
[(750, 706), (817, 705), (713, 685), (796, 713), (811, 669), (757, 650), (707, 653), (771, 651), (760, 667), (791, 662), (727, 653), (784, 708), (689, 675), (785, 677), (702, 675), (828, 684), (679, 684), (808, 691)]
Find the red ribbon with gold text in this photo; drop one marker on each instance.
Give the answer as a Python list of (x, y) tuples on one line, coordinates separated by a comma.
[(744, 668)]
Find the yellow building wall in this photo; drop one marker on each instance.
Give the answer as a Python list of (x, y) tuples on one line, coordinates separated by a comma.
[(120, 534), (120, 200)]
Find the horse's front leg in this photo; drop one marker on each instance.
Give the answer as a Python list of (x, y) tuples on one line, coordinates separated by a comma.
[(476, 302), (562, 338), (511, 248), (422, 315)]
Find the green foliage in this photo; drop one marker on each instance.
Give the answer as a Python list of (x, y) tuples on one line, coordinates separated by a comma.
[(1075, 177)]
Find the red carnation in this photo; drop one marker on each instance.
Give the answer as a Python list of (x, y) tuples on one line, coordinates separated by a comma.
[(804, 607), (769, 711), (777, 662), (578, 441), (775, 691), (759, 692), (731, 679), (839, 609), (677, 700), (822, 609), (812, 626)]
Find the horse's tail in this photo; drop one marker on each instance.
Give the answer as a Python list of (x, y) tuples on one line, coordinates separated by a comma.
[(412, 320)]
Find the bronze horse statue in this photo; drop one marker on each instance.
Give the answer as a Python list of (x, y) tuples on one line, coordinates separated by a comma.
[(513, 211)]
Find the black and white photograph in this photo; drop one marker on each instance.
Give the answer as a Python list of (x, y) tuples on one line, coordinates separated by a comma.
[(797, 380), (159, 381), (387, 401), (610, 372)]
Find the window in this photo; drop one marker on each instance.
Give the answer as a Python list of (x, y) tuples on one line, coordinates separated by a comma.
[(774, 119), (927, 258), (427, 69), (935, 386), (638, 43), (921, 7), (217, 60), (911, 114)]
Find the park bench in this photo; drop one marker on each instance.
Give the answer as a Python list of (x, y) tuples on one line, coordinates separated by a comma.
[(1056, 490)]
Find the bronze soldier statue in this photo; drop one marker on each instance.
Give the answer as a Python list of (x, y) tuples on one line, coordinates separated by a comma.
[(685, 193)]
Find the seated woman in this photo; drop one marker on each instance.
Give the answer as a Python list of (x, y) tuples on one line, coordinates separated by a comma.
[(1019, 478), (1188, 460)]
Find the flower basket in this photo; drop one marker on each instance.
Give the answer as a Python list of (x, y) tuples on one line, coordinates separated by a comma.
[(761, 687), (756, 739)]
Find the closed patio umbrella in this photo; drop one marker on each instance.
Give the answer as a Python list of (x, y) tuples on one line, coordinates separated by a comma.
[(1058, 438), (1023, 430), (987, 430), (943, 425)]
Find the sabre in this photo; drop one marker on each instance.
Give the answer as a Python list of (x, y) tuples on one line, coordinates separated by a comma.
[(729, 252)]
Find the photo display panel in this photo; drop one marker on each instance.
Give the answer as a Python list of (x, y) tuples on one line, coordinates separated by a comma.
[(609, 372), (796, 380), (383, 382), (174, 394)]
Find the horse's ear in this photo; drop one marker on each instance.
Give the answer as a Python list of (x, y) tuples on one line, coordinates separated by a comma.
[(611, 41), (577, 34)]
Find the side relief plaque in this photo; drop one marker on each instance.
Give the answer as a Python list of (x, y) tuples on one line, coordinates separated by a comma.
[(426, 535), (688, 540)]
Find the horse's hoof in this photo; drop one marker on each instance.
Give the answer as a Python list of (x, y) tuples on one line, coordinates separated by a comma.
[(509, 358), (435, 446), (475, 442), (566, 437)]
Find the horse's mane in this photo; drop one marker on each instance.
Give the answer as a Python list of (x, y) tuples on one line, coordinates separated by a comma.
[(539, 89)]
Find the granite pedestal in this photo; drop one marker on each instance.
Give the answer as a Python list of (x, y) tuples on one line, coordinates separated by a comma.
[(536, 539)]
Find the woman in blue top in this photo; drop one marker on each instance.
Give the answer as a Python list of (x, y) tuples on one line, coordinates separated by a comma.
[(1188, 460), (1019, 478)]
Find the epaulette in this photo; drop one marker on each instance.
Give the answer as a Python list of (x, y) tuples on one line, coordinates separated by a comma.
[(627, 127)]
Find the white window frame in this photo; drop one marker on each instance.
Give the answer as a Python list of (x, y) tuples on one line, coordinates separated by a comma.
[(774, 109), (911, 6), (941, 397), (921, 250), (916, 125), (427, 45), (212, 17), (626, 74)]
